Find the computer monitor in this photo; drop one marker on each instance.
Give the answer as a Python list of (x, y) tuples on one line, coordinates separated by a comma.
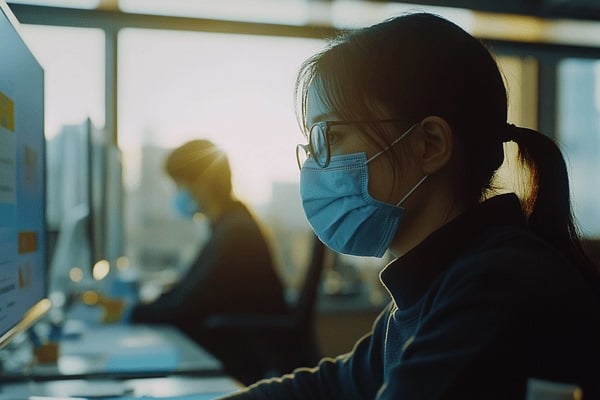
[(70, 209), (22, 183), (84, 207), (106, 196)]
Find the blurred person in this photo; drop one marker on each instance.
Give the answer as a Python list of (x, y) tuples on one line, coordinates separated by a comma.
[(233, 272)]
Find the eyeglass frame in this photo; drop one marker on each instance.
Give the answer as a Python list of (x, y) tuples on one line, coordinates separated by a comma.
[(307, 148)]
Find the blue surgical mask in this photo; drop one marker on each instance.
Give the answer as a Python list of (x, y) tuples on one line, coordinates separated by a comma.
[(184, 204), (341, 211)]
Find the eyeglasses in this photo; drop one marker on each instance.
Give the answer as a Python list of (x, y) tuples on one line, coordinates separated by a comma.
[(318, 146)]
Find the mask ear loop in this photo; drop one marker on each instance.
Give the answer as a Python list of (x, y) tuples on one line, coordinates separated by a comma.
[(409, 130), (399, 138), (412, 190)]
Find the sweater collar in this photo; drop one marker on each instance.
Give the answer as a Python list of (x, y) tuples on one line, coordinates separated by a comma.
[(407, 278)]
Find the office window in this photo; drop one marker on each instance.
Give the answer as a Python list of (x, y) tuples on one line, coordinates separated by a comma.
[(73, 63), (355, 14), (578, 121), (520, 79), (232, 89), (292, 12), (339, 14)]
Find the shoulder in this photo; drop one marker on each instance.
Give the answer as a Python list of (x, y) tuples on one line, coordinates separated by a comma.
[(236, 217), (514, 251), (238, 227), (509, 261)]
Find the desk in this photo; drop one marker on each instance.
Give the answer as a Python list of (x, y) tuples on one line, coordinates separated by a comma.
[(123, 351), (165, 387), (123, 362)]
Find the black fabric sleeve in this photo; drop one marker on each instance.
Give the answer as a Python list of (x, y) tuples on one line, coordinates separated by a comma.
[(236, 246), (356, 375), (173, 305)]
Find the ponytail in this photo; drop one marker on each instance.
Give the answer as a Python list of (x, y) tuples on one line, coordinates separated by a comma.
[(548, 204)]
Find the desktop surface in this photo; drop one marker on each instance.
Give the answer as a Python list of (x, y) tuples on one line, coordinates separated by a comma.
[(171, 387), (124, 351)]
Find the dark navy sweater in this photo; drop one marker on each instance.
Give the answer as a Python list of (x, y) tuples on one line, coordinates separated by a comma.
[(477, 309)]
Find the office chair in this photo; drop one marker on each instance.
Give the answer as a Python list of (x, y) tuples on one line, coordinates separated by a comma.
[(272, 345)]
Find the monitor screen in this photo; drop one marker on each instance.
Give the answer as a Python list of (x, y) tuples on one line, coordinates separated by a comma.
[(22, 182)]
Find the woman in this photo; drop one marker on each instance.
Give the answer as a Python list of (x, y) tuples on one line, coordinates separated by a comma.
[(406, 122)]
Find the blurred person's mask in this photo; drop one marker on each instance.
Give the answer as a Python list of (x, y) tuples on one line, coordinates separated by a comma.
[(184, 204)]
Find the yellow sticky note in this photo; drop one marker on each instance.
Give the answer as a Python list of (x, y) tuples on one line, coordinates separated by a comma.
[(28, 242), (7, 112)]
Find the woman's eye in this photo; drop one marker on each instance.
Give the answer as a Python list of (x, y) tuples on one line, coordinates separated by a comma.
[(332, 137)]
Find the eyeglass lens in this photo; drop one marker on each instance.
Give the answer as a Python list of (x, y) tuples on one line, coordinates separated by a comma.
[(318, 144)]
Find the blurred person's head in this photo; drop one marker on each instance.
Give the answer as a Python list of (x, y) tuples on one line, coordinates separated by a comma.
[(201, 171)]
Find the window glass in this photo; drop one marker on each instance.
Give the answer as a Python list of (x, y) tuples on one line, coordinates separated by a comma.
[(235, 90), (520, 80), (340, 13), (293, 12), (353, 13), (73, 63), (578, 120)]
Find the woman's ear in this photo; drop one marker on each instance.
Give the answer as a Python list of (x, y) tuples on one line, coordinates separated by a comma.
[(437, 145)]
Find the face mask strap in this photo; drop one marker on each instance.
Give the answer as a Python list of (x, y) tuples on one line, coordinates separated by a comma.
[(409, 130), (411, 190)]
